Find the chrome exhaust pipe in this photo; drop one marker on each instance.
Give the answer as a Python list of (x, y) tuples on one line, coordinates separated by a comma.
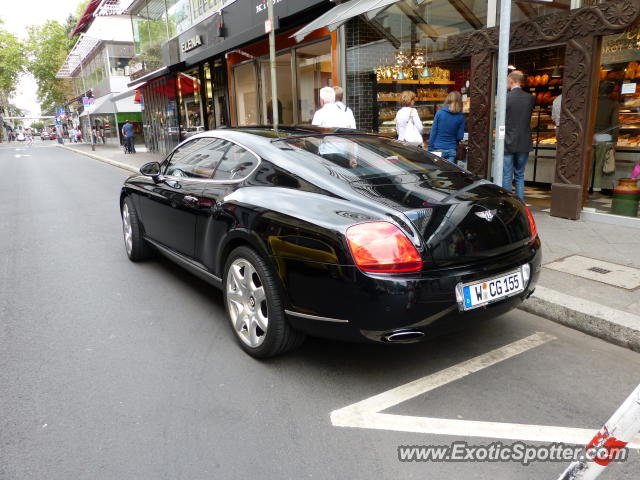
[(404, 336)]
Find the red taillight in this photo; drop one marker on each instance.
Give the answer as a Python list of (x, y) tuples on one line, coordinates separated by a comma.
[(380, 247), (532, 223)]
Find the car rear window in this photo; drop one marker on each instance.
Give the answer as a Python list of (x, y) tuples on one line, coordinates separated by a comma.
[(360, 157)]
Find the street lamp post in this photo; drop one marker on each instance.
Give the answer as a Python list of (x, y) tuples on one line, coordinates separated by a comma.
[(272, 64), (501, 96)]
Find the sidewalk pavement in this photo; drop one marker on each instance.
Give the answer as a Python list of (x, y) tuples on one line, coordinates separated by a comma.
[(114, 155), (594, 307)]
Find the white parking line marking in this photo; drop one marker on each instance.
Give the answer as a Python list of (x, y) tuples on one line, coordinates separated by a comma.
[(366, 413)]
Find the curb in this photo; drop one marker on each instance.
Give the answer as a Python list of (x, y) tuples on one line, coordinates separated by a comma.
[(614, 326), (115, 163)]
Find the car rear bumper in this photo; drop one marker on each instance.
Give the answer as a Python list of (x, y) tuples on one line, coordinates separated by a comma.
[(344, 303)]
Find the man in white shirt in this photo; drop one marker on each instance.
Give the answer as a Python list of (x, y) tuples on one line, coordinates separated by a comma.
[(555, 110), (329, 115), (349, 118)]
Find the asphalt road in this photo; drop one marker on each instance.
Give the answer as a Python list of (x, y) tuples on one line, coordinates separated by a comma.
[(115, 370)]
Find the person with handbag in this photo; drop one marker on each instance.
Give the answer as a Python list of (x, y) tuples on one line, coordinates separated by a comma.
[(448, 128), (408, 123)]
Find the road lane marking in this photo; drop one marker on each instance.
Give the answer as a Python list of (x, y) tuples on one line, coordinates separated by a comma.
[(366, 413)]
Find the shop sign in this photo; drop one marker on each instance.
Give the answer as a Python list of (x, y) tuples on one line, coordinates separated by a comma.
[(190, 44), (622, 47), (262, 6)]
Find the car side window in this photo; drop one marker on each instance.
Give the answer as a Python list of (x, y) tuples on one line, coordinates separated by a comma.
[(237, 163), (197, 158)]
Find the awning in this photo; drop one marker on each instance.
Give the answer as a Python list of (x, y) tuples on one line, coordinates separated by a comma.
[(103, 104), (341, 14), (130, 92), (149, 76)]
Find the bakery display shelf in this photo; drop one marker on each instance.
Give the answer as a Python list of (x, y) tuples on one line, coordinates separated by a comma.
[(397, 99), (419, 82)]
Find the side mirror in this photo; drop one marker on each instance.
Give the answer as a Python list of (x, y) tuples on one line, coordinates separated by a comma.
[(151, 169)]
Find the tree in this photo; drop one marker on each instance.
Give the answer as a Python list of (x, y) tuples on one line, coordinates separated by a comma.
[(12, 64), (37, 125), (48, 47)]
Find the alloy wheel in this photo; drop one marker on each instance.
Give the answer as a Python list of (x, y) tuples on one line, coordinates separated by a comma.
[(127, 229), (247, 302)]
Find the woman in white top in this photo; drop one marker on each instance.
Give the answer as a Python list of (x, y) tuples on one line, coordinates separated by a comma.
[(408, 123)]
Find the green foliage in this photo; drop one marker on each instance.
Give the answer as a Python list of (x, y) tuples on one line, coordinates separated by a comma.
[(48, 48), (12, 63), (37, 125)]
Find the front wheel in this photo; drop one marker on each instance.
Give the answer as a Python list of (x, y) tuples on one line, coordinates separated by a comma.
[(254, 305)]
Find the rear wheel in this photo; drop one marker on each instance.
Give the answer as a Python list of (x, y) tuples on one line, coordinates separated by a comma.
[(137, 249), (254, 305)]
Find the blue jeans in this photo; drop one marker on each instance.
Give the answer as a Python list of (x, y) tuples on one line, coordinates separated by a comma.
[(514, 165), (449, 155)]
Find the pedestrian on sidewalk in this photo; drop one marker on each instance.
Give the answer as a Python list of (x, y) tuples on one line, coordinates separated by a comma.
[(517, 142), (129, 135), (72, 135), (408, 123), (329, 115), (349, 118), (448, 128)]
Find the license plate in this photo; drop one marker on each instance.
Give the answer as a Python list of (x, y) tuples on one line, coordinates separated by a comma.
[(480, 293)]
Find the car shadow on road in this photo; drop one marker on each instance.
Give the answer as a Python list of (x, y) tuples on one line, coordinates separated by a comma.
[(363, 358)]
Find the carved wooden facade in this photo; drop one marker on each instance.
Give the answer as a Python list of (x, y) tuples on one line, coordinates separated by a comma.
[(580, 30)]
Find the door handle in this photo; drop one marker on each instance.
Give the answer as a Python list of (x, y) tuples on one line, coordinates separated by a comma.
[(190, 199)]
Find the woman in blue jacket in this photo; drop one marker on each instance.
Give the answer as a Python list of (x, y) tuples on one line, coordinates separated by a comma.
[(448, 127)]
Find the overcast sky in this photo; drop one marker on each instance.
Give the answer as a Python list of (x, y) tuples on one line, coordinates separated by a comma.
[(17, 15)]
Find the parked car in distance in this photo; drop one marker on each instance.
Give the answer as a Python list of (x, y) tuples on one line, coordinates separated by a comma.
[(21, 137), (44, 136), (53, 135), (333, 233)]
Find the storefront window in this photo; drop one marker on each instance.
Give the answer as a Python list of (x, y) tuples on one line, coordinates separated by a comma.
[(179, 16), (150, 31), (521, 11), (404, 47), (616, 142), (160, 115), (216, 105), (285, 94), (190, 103), (313, 69), (246, 94), (119, 58)]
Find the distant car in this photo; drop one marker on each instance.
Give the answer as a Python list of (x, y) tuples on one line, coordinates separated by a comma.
[(53, 136), (21, 137), (44, 136), (333, 233)]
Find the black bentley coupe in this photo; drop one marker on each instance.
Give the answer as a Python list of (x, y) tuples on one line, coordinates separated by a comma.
[(333, 233)]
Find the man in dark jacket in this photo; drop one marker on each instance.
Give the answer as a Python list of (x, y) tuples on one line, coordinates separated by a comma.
[(517, 142)]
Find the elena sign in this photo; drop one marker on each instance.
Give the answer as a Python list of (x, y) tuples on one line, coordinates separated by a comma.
[(262, 6), (191, 43)]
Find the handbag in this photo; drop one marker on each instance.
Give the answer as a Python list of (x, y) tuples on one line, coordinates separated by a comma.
[(609, 164), (411, 134)]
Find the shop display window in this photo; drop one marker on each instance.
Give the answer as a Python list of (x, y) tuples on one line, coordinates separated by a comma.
[(313, 70), (285, 93), (246, 94), (190, 103)]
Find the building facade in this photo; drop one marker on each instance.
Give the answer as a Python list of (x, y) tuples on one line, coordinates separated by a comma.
[(212, 71), (99, 67)]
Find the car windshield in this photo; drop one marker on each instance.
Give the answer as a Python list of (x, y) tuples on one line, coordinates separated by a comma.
[(363, 157)]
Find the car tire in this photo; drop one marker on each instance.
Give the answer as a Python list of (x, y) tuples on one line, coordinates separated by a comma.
[(136, 247), (254, 304)]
